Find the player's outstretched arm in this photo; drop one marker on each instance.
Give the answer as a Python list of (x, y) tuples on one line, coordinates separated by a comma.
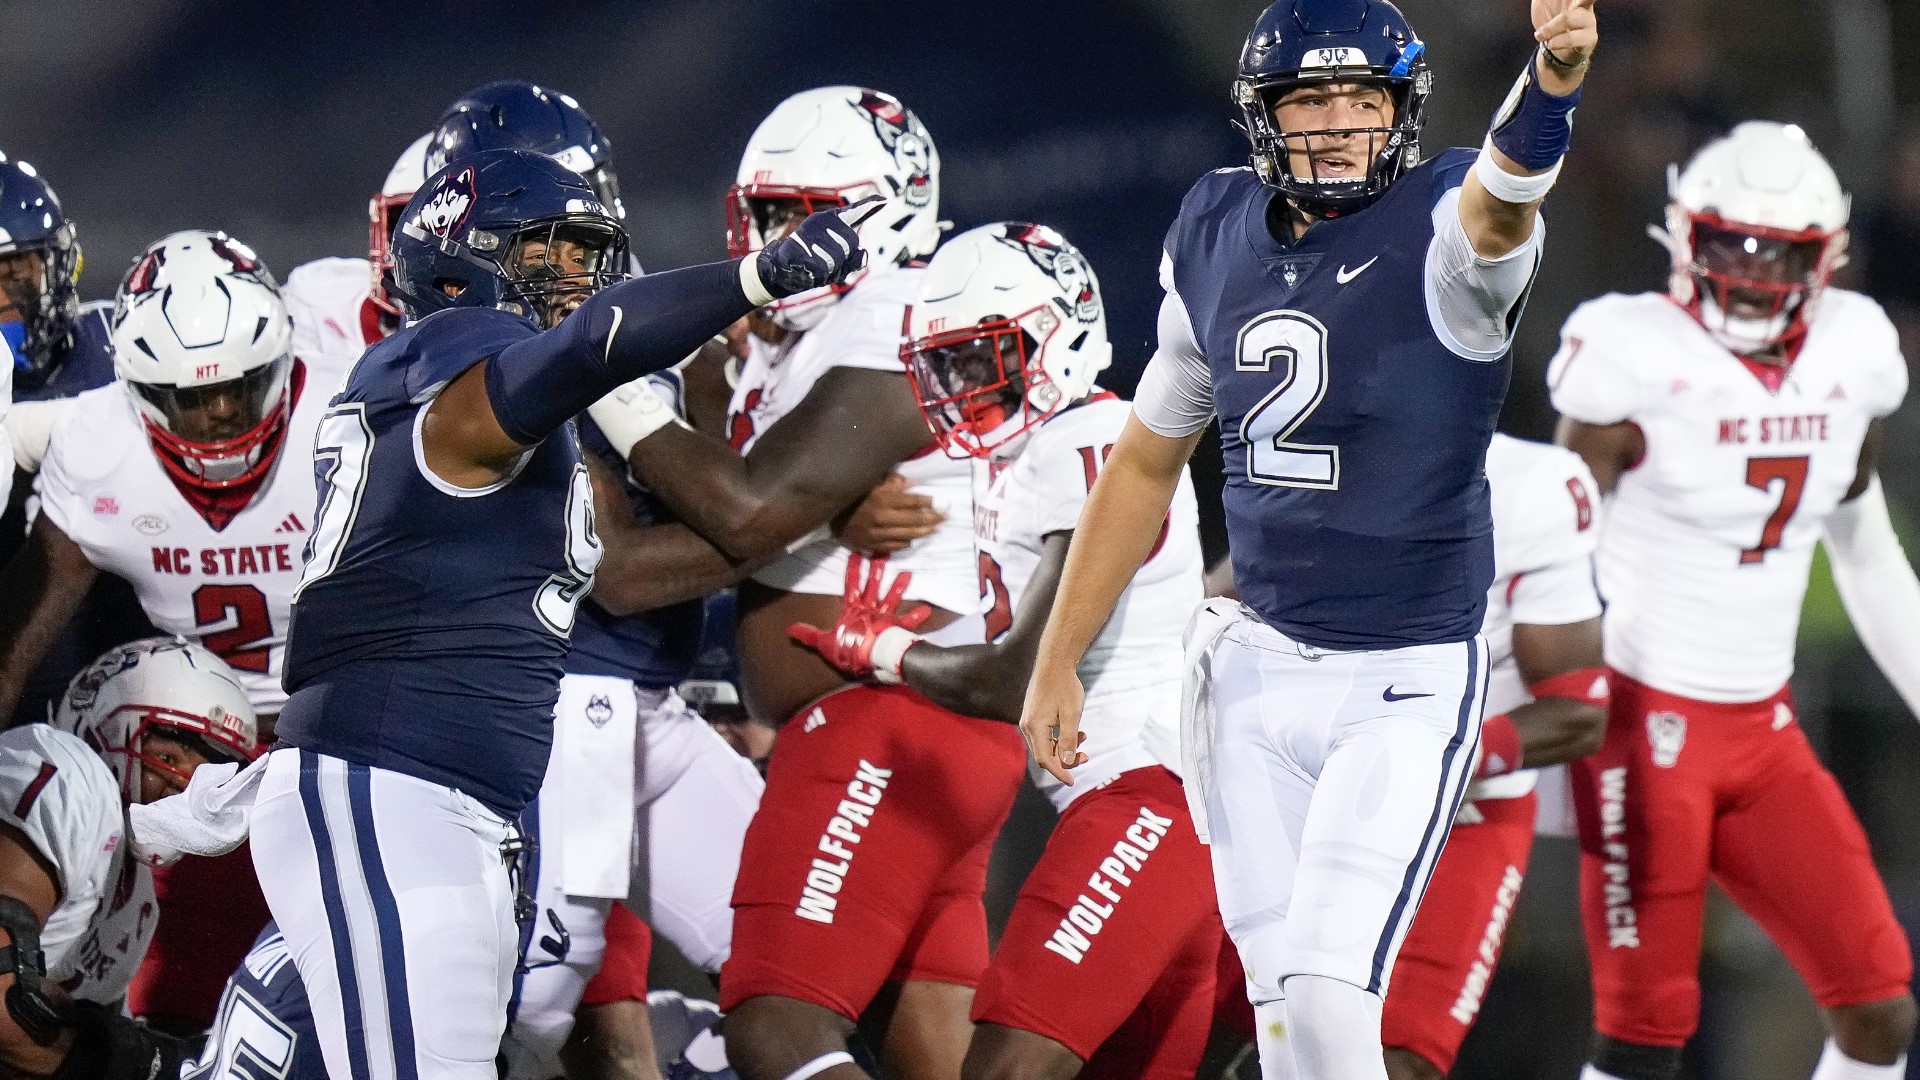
[(1117, 531), (481, 423), (1530, 136), (43, 584), (840, 442), (1876, 582)]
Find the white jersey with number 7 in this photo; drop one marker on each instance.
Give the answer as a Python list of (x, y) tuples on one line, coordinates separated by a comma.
[(1708, 540)]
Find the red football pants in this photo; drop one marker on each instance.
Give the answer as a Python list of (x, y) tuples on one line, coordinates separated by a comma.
[(1448, 959), (1685, 789), (867, 859), (210, 912), (1111, 947)]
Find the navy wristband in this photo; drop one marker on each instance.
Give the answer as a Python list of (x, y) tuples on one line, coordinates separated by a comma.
[(1534, 128)]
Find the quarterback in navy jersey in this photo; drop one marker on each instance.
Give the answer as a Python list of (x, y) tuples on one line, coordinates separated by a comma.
[(1344, 309), (453, 538)]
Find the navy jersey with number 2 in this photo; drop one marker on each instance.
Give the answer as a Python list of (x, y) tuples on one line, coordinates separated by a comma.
[(1357, 374), (430, 628)]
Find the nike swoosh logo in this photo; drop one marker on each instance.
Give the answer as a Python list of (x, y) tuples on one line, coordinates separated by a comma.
[(1388, 694), (618, 316), (1344, 275)]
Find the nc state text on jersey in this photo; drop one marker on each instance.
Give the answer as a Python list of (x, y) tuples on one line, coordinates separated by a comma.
[(257, 559), (1811, 427)]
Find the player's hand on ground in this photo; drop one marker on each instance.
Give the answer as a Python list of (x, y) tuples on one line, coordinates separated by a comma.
[(873, 632), (889, 518), (824, 249), (1050, 722), (1567, 28)]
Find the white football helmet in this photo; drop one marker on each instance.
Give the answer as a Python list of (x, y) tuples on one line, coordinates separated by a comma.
[(159, 685), (1757, 225), (833, 147), (408, 175), (1008, 330), (200, 338)]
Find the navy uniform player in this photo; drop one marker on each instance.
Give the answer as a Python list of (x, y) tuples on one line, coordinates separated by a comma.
[(453, 538), (1345, 311)]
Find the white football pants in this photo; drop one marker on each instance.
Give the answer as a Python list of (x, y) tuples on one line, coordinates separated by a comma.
[(692, 797), (392, 895), (1335, 778)]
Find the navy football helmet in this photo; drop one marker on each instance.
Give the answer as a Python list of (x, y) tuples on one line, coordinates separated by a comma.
[(513, 114), (1302, 41), (46, 296), (508, 229)]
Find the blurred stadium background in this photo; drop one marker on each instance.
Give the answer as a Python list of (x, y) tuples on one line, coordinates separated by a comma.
[(277, 121)]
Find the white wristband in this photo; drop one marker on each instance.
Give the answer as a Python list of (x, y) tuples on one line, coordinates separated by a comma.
[(630, 413), (750, 283), (1509, 188), (889, 649)]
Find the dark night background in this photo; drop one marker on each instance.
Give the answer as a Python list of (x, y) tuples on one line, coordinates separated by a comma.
[(277, 121)]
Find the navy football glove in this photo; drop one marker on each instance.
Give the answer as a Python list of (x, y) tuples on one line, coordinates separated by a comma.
[(824, 250)]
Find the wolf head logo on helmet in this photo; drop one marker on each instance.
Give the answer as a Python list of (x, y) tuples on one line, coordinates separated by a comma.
[(1667, 734), (446, 209), (1061, 262), (900, 132)]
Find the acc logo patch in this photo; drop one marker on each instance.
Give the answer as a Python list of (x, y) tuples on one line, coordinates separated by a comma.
[(150, 524), (1667, 733), (446, 210)]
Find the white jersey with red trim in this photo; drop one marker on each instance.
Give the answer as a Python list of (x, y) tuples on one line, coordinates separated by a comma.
[(1708, 540), (861, 331), (1545, 528), (1132, 670), (64, 799), (334, 317), (229, 589)]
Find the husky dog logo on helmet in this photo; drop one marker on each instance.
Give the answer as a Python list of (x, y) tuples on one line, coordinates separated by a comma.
[(900, 132), (1062, 262), (446, 211)]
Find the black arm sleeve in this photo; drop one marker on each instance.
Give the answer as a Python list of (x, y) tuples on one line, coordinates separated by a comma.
[(623, 332)]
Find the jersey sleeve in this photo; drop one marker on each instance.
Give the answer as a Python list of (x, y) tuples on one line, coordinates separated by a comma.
[(1474, 303), (1175, 395), (54, 483), (1879, 348), (62, 797), (444, 347), (1592, 377), (1552, 542), (1065, 462)]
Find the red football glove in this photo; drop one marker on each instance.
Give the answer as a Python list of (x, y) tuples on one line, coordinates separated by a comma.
[(872, 634)]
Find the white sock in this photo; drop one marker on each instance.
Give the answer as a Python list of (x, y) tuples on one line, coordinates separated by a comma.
[(1835, 1065), (1270, 1036), (1591, 1073), (1334, 1028)]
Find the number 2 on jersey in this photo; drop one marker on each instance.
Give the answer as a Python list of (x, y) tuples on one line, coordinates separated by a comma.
[(1294, 344), (245, 607), (1761, 473)]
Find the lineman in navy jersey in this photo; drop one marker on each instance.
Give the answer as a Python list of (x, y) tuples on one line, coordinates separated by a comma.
[(453, 538), (1345, 311)]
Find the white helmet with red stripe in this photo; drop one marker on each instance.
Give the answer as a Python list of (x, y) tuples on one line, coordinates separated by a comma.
[(1757, 226), (200, 336), (408, 175), (1009, 329), (831, 147), (159, 685)]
